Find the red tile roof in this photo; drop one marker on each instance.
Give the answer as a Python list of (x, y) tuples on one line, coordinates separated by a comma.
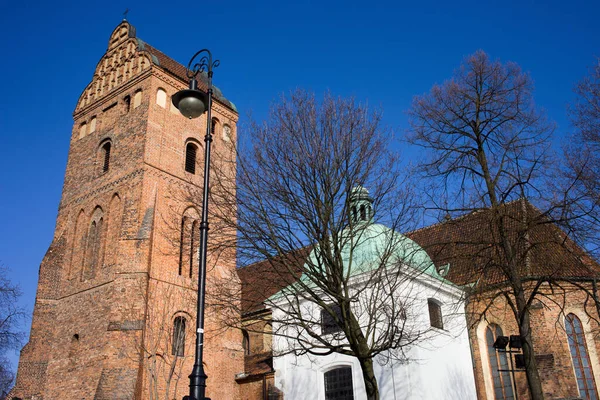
[(467, 243), (472, 247), (263, 279)]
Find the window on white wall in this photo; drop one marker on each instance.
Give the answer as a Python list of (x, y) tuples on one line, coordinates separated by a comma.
[(338, 384), (161, 98), (328, 323), (435, 314)]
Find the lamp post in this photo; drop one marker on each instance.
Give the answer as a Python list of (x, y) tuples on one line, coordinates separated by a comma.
[(192, 103)]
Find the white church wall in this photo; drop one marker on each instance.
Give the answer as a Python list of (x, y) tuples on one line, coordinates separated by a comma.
[(438, 367)]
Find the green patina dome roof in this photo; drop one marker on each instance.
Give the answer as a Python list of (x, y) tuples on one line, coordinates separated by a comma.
[(367, 246), (372, 244)]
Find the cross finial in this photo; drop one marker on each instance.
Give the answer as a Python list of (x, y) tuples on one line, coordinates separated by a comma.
[(125, 14)]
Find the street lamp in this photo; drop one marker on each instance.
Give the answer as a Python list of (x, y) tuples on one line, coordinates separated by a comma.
[(192, 103)]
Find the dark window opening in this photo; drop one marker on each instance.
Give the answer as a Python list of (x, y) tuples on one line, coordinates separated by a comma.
[(580, 358), (181, 238), (435, 314), (193, 245), (178, 337), (363, 213), (190, 158), (213, 126), (246, 342), (106, 158), (127, 101), (328, 323), (338, 384)]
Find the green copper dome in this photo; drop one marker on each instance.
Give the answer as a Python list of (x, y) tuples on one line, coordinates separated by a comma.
[(366, 246)]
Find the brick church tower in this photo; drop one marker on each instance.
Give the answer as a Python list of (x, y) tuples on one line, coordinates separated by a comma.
[(114, 315)]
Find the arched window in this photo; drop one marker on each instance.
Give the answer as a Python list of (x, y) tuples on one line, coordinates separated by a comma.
[(105, 156), (503, 388), (435, 314), (178, 348), (137, 99), (190, 157), (338, 384), (113, 231), (226, 133), (181, 245), (194, 244), (189, 242), (245, 342), (581, 358), (268, 336), (94, 245), (214, 126), (78, 248), (161, 98), (127, 103), (363, 213)]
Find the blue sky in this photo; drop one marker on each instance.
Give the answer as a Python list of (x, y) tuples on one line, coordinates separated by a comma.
[(380, 52)]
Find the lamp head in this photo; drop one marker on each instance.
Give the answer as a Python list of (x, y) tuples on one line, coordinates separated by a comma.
[(516, 342), (501, 342), (191, 102)]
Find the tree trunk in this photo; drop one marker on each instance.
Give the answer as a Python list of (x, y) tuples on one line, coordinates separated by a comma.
[(531, 369), (366, 366)]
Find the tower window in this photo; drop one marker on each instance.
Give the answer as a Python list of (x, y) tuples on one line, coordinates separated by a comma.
[(213, 126), (161, 98), (226, 133), (82, 130), (105, 157), (435, 314), (181, 245), (127, 102), (178, 337), (137, 99), (363, 213), (93, 125), (190, 158), (245, 342), (338, 384)]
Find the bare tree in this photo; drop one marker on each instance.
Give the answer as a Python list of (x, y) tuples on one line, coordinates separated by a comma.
[(582, 157), (487, 148), (11, 317), (167, 345), (298, 179)]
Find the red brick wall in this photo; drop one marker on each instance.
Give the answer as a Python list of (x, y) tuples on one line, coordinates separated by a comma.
[(92, 327), (549, 339)]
